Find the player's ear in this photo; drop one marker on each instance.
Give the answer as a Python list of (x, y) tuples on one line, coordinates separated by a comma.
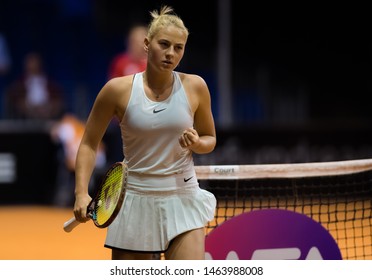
[(146, 44)]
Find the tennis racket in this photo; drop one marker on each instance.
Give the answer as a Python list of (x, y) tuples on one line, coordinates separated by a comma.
[(108, 199)]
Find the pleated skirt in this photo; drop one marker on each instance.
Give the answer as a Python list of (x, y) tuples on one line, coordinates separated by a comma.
[(156, 210)]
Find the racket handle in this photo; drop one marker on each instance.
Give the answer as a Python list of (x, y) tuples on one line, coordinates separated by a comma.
[(70, 224)]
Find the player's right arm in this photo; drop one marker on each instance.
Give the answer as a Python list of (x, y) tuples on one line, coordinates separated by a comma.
[(107, 105)]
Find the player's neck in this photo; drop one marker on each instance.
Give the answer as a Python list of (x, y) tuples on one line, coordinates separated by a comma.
[(158, 88)]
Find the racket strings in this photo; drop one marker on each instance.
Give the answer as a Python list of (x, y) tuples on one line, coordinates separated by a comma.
[(108, 197)]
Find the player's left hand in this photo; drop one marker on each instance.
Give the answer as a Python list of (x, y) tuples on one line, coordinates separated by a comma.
[(189, 138)]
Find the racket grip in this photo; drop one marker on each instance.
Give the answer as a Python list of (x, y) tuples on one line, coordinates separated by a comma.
[(70, 224)]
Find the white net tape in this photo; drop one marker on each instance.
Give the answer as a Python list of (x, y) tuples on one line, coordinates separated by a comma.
[(291, 170)]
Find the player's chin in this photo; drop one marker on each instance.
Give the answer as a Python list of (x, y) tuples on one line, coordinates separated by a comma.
[(167, 66)]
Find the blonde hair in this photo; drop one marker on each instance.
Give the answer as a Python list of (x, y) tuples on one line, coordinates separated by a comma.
[(164, 18)]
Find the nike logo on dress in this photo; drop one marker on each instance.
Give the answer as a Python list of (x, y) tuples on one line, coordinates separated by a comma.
[(157, 111), (188, 179)]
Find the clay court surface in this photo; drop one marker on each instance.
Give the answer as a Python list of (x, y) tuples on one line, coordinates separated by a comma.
[(36, 233)]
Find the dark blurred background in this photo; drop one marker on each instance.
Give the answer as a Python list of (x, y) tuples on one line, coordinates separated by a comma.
[(288, 83)]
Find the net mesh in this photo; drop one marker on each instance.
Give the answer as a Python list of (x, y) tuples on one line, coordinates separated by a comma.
[(336, 194)]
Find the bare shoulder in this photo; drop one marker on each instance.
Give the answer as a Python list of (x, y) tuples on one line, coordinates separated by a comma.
[(115, 94), (118, 86), (192, 81), (196, 90)]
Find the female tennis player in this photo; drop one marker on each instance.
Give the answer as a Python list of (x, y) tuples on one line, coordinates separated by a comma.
[(165, 116)]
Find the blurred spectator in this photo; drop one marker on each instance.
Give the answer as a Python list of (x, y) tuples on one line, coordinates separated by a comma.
[(34, 95), (134, 58), (67, 133), (130, 61)]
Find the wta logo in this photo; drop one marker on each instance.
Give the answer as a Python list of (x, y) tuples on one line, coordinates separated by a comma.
[(271, 234)]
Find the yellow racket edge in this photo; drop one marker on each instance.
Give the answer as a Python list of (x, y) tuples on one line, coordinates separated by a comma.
[(116, 179)]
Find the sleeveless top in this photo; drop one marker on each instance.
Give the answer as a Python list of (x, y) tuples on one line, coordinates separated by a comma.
[(150, 131)]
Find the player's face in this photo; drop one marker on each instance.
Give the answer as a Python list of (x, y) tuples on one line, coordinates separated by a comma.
[(167, 48)]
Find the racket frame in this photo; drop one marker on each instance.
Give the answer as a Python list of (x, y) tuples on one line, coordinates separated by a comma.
[(92, 204), (72, 223)]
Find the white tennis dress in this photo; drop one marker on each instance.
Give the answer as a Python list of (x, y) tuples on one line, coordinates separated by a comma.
[(163, 197)]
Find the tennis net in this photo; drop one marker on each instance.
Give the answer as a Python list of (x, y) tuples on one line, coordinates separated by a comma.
[(338, 195)]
